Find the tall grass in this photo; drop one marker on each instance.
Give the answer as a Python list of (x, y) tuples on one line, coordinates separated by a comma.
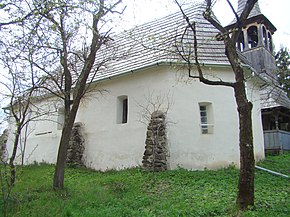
[(134, 192)]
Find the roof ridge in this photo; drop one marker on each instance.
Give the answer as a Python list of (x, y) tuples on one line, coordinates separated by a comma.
[(188, 10)]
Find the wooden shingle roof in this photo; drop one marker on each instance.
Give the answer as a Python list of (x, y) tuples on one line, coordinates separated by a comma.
[(274, 97), (157, 42), (255, 15), (254, 12)]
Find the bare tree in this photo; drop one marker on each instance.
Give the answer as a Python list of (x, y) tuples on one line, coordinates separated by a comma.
[(20, 87), (245, 195), (154, 101), (65, 49)]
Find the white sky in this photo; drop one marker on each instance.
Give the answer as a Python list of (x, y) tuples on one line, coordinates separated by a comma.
[(277, 11)]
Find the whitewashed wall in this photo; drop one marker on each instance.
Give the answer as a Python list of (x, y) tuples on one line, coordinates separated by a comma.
[(258, 136), (42, 134), (114, 146)]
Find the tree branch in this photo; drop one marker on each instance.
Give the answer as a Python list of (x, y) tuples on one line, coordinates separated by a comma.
[(200, 73)]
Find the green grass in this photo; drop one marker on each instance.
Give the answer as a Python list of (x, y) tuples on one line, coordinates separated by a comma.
[(134, 192)]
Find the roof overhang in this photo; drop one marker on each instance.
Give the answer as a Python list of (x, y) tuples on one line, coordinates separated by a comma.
[(261, 19)]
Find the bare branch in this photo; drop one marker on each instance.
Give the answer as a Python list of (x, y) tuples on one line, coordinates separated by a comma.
[(233, 10), (18, 20), (201, 76), (208, 16)]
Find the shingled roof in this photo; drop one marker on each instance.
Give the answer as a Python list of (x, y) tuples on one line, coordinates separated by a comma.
[(157, 42), (255, 15), (273, 96), (255, 11)]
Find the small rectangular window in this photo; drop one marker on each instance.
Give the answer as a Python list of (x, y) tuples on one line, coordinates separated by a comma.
[(203, 120), (125, 110), (206, 117), (122, 109)]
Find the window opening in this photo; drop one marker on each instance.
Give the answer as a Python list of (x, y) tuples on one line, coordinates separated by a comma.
[(265, 40), (125, 110), (206, 117), (203, 119), (241, 43), (270, 44), (252, 37), (122, 109)]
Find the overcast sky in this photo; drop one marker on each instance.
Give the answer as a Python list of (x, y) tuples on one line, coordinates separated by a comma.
[(277, 11)]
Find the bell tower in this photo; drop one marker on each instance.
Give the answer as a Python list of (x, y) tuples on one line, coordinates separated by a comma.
[(255, 41)]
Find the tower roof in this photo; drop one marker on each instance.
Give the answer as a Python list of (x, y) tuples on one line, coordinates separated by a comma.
[(255, 11), (254, 16)]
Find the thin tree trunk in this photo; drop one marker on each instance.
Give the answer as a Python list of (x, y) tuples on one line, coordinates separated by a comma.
[(247, 161), (24, 145), (58, 181), (13, 156)]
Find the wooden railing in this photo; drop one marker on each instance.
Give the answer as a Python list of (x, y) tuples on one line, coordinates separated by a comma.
[(277, 140)]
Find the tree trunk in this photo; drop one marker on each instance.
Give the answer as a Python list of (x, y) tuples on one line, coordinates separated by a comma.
[(13, 156), (245, 195), (247, 161), (58, 180)]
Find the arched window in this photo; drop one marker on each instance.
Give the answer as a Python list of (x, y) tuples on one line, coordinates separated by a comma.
[(241, 43), (265, 40), (270, 44), (252, 36)]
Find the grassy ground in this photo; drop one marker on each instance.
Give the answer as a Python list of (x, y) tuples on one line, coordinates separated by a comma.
[(134, 192)]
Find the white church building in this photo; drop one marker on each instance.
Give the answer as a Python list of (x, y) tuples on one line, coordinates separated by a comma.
[(202, 127)]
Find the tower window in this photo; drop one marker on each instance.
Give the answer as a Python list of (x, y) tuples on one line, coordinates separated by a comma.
[(241, 43), (265, 37), (270, 44), (252, 36), (122, 109)]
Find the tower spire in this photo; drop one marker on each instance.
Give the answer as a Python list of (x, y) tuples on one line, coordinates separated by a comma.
[(255, 40), (255, 11)]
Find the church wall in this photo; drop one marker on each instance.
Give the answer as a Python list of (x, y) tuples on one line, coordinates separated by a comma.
[(189, 147), (258, 135), (40, 138), (111, 144)]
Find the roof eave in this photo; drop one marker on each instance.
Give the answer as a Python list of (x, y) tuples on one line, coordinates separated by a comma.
[(159, 63), (259, 19)]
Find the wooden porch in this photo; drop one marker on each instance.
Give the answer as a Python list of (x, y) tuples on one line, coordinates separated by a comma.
[(276, 126), (276, 141)]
